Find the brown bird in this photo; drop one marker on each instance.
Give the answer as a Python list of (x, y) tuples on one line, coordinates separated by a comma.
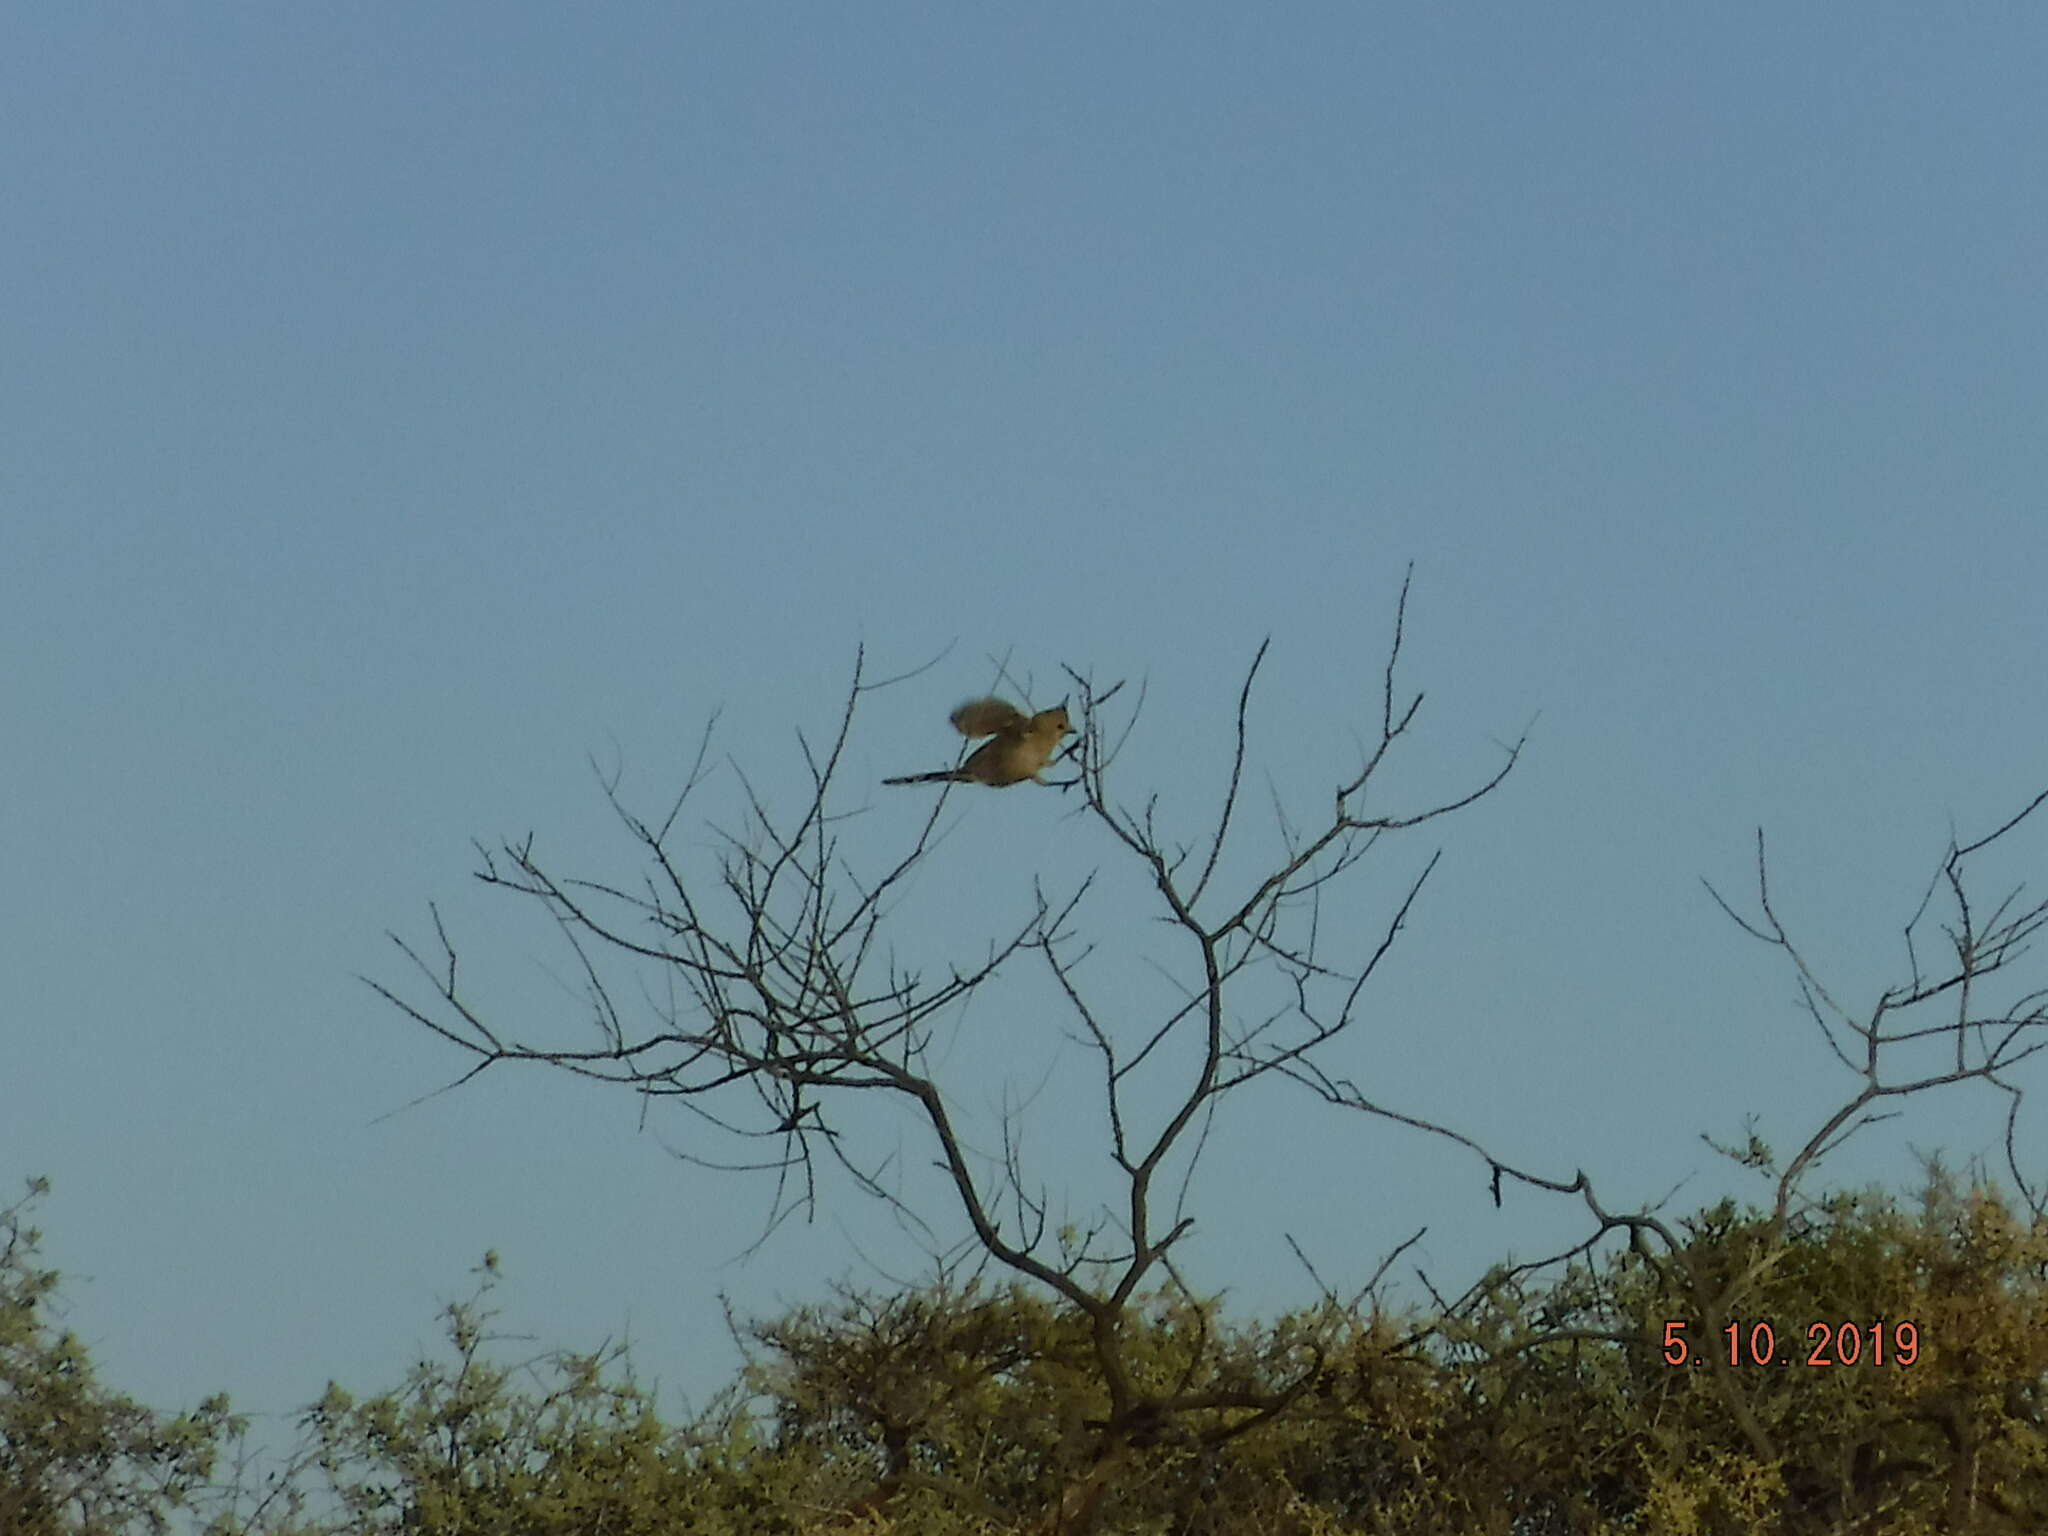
[(1021, 746)]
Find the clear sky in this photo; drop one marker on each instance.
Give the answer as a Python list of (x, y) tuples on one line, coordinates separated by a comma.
[(403, 403)]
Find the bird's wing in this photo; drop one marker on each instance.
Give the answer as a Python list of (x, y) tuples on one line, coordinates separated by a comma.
[(985, 717)]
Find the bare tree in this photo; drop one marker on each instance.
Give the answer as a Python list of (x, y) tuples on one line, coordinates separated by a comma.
[(788, 1009), (1885, 1049)]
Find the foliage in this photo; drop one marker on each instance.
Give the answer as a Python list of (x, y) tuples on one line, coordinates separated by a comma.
[(961, 1410), (75, 1457), (461, 1447)]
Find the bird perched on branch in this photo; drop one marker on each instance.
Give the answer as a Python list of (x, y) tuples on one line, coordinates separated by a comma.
[(1020, 747)]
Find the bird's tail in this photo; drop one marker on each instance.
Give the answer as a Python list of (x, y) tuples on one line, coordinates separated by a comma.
[(943, 776)]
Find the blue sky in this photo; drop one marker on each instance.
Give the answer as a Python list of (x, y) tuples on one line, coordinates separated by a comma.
[(405, 403)]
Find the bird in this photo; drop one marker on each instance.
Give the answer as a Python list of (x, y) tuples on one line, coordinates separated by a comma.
[(1020, 745)]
